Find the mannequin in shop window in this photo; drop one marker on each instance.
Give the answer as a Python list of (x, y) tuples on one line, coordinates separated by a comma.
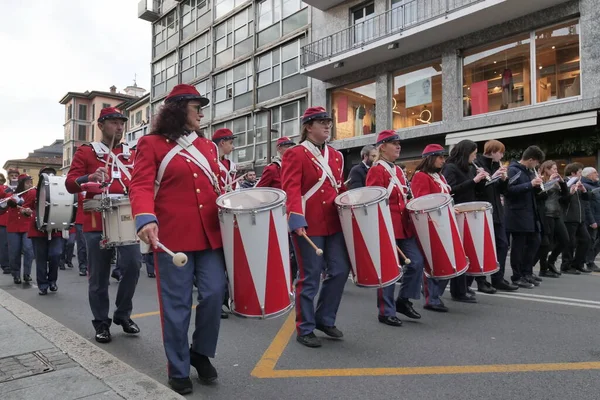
[(507, 88), (361, 111)]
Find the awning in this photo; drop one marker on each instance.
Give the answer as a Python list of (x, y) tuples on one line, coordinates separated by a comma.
[(589, 118)]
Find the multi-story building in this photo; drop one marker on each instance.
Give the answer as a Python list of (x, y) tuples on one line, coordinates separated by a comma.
[(244, 56), (47, 156), (81, 112), (138, 112), (439, 71)]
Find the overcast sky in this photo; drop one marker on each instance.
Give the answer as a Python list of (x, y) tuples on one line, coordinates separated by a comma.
[(51, 47)]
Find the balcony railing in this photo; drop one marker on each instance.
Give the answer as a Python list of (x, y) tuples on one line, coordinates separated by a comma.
[(398, 19)]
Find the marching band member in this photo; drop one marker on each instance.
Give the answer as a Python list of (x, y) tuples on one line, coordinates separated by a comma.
[(19, 219), (385, 173), (13, 178), (428, 180), (271, 176), (88, 173), (4, 262), (223, 138), (312, 176), (47, 248), (176, 164), (464, 180)]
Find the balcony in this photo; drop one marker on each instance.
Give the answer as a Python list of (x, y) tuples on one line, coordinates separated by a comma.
[(410, 27), (323, 4), (149, 10)]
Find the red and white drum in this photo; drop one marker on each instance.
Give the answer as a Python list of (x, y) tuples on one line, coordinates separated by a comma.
[(369, 234), (438, 234), (476, 226), (255, 242)]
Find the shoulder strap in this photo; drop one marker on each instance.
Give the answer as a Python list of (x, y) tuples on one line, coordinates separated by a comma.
[(322, 161), (100, 149)]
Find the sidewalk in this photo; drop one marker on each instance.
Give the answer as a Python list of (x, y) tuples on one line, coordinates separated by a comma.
[(40, 358)]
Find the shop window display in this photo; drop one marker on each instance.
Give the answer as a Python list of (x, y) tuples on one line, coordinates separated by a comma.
[(354, 110)]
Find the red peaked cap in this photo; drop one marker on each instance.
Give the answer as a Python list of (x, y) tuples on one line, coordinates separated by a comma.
[(186, 92), (387, 136), (111, 113), (285, 141), (313, 113), (433, 150), (24, 177), (13, 171), (222, 134)]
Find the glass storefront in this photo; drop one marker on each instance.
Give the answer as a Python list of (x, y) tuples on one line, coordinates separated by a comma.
[(354, 110)]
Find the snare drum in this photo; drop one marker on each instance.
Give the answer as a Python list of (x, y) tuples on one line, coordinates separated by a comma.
[(437, 231), (56, 208), (118, 224), (255, 242), (476, 226), (369, 235)]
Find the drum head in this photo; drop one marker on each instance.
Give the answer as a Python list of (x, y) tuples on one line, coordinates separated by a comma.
[(251, 199), (43, 196), (429, 202), (473, 206), (361, 196)]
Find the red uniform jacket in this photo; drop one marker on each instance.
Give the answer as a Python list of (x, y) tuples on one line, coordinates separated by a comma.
[(33, 231), (229, 176), (3, 194), (379, 176), (300, 171), (86, 162), (17, 221), (423, 184), (271, 176), (185, 206)]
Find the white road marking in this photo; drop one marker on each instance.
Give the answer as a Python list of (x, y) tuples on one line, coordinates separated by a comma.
[(579, 303)]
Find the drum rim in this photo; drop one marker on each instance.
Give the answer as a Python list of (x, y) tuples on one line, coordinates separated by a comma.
[(224, 209), (487, 207), (43, 181), (367, 204), (413, 211)]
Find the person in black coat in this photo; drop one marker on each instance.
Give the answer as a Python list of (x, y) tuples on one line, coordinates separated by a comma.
[(523, 222), (493, 151), (358, 173), (589, 178), (463, 178)]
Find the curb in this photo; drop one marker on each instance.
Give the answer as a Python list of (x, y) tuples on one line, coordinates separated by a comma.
[(126, 381)]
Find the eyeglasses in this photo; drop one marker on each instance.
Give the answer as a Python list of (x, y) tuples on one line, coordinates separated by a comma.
[(198, 108), (324, 122)]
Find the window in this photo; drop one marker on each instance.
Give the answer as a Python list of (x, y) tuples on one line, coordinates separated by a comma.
[(148, 114), (164, 75), (194, 17), (165, 34), (93, 112), (403, 14), (362, 21), (233, 38), (223, 7), (244, 138), (195, 58), (105, 105), (69, 112), (82, 112), (270, 15), (285, 121), (82, 133), (233, 89), (278, 71), (417, 97), (354, 110), (138, 118), (204, 89), (557, 58)]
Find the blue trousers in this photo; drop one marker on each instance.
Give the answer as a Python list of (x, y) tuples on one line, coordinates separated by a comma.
[(4, 260), (175, 298), (434, 289), (81, 247), (68, 250), (19, 243), (410, 283), (336, 265), (47, 257), (99, 274)]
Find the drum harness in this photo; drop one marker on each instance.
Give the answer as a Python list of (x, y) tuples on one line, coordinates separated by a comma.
[(323, 162), (117, 165), (394, 180)]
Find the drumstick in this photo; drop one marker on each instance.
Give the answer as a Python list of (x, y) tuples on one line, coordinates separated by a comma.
[(112, 143), (179, 259), (229, 186), (406, 259), (312, 244)]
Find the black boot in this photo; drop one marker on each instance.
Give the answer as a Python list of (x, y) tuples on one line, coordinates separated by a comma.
[(181, 385), (206, 372)]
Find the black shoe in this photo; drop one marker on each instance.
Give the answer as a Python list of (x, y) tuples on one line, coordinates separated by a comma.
[(103, 334), (82, 272), (330, 331), (584, 269), (6, 271), (485, 287), (61, 267), (70, 265), (531, 280), (552, 267), (405, 307), (465, 299), (115, 275), (43, 292), (537, 278), (224, 312), (310, 340), (206, 372), (505, 285), (26, 278), (524, 283), (53, 287), (471, 291), (151, 275), (549, 274), (593, 267), (436, 307), (570, 271), (128, 325), (391, 321), (181, 385), (17, 280)]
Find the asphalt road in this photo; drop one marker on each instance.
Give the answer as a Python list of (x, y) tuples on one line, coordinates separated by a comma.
[(535, 344)]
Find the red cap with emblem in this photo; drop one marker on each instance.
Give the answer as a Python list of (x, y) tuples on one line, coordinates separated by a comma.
[(314, 113), (386, 137), (186, 92), (24, 177), (111, 113), (285, 141), (433, 150), (222, 134)]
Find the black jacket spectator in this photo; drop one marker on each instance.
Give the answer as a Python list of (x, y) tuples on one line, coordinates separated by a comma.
[(358, 176), (574, 207), (592, 214), (461, 182)]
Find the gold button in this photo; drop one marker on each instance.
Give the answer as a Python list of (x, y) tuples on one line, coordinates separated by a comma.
[(187, 159), (322, 191), (313, 159), (324, 202), (168, 141), (215, 160), (200, 206), (336, 160), (195, 175), (197, 190)]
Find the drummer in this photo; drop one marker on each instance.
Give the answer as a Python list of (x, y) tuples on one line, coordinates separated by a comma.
[(190, 181), (385, 173), (88, 173), (223, 138), (4, 263), (271, 176), (312, 177), (46, 247)]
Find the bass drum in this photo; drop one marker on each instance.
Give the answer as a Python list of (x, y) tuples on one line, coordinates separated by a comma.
[(56, 208)]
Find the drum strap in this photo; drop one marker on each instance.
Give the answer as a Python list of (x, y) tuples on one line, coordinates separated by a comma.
[(229, 174), (186, 142), (322, 161), (102, 150), (441, 182), (394, 180)]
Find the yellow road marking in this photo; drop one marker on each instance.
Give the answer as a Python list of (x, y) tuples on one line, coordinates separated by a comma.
[(266, 366), (150, 314)]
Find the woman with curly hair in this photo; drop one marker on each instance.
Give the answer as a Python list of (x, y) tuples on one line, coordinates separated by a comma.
[(175, 185)]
